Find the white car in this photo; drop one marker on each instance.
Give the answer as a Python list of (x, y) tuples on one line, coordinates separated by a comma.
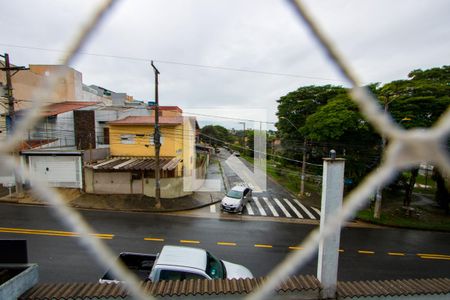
[(236, 199)]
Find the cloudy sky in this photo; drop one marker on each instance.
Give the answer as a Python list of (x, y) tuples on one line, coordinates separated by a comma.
[(382, 39)]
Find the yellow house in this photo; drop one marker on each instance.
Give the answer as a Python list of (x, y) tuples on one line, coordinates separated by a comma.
[(131, 168)]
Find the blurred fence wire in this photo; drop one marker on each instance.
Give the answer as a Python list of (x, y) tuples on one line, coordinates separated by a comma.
[(405, 149)]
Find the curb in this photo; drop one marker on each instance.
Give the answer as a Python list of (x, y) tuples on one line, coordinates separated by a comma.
[(224, 179), (149, 210), (14, 201)]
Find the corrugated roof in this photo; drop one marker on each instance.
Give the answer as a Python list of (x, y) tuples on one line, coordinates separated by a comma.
[(195, 287), (147, 120), (135, 163), (62, 107), (404, 287)]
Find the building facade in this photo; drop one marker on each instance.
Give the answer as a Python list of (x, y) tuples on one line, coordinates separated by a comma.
[(131, 168)]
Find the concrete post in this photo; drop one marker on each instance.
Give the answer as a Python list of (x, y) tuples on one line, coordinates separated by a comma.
[(332, 193)]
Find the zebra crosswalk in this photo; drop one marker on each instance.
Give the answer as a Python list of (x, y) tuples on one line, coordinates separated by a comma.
[(276, 207)]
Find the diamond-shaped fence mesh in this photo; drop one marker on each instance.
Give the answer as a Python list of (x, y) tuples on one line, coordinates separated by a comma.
[(405, 149)]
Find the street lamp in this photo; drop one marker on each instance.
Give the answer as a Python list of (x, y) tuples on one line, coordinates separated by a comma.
[(302, 177)]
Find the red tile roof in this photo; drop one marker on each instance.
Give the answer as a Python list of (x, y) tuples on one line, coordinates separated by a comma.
[(31, 144), (170, 108), (147, 120), (62, 107)]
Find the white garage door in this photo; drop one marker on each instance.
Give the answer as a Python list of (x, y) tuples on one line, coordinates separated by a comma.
[(59, 171)]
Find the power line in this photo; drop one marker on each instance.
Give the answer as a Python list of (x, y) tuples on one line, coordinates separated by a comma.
[(223, 68), (228, 118), (255, 151)]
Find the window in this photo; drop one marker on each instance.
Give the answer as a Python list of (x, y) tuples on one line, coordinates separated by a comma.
[(127, 139), (136, 175), (192, 276), (214, 267), (152, 140), (234, 194), (105, 135)]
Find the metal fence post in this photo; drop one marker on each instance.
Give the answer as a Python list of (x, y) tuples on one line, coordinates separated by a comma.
[(332, 193)]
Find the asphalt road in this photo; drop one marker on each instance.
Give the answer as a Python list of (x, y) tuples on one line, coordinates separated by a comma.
[(273, 188), (368, 254), (273, 201)]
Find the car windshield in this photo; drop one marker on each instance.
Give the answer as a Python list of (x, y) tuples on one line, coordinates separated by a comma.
[(234, 194), (214, 267)]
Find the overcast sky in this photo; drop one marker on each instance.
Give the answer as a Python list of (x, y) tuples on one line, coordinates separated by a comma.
[(382, 39)]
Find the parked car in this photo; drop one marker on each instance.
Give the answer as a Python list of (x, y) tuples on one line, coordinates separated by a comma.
[(236, 199), (178, 263), (235, 153)]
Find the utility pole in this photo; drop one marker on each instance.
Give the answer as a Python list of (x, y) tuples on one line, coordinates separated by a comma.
[(302, 182), (302, 175), (379, 191), (156, 140), (11, 112), (243, 137)]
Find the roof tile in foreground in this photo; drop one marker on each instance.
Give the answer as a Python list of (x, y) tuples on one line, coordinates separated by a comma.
[(404, 287), (221, 287), (193, 287)]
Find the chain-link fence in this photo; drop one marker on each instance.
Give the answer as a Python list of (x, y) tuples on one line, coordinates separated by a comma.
[(405, 149)]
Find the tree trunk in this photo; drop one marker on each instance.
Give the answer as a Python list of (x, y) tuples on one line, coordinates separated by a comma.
[(410, 187), (442, 195)]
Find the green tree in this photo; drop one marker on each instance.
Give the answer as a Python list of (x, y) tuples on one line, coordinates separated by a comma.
[(215, 135), (442, 195), (293, 110), (417, 103), (339, 125)]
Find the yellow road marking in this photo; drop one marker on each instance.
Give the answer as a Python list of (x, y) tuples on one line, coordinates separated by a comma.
[(396, 254), (434, 257), (365, 252), (226, 244), (189, 242), (154, 239), (52, 232), (295, 248), (263, 246)]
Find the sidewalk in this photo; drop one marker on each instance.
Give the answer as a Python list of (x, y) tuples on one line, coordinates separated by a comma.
[(142, 203)]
